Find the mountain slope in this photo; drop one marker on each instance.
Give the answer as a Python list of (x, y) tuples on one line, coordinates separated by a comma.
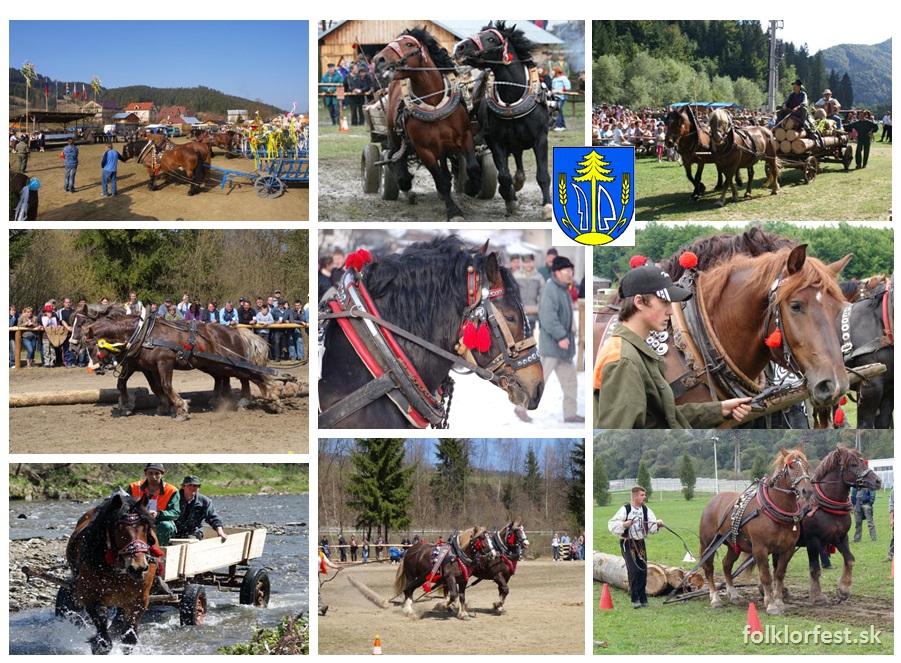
[(870, 68)]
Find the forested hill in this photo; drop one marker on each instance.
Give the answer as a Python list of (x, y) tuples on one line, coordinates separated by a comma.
[(202, 100), (870, 68)]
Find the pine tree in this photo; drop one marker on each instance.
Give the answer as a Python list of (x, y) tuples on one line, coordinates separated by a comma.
[(687, 476), (575, 495), (379, 487), (594, 170), (758, 466), (644, 478), (451, 472), (531, 480), (601, 483)]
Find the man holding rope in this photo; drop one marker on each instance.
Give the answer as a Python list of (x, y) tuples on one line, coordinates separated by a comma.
[(633, 523)]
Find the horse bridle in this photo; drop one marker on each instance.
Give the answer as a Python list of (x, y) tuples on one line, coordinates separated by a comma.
[(793, 482), (134, 546), (503, 46), (774, 317)]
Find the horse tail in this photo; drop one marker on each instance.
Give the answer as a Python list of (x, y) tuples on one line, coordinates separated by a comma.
[(256, 349), (400, 580)]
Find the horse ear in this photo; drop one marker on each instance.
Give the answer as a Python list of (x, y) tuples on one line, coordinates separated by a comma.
[(800, 447), (493, 271), (84, 310), (484, 247), (837, 267), (796, 259), (145, 500), (116, 502)]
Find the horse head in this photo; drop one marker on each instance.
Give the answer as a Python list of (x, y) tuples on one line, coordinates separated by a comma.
[(852, 468), (495, 43), (677, 125), (405, 51), (720, 128), (130, 534), (516, 534), (793, 473)]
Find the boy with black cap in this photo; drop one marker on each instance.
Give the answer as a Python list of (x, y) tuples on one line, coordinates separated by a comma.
[(631, 390)]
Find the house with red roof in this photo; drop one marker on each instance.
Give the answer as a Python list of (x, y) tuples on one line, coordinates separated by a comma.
[(145, 110)]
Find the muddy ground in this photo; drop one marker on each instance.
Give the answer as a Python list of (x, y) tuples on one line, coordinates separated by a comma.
[(135, 202), (95, 428), (545, 614)]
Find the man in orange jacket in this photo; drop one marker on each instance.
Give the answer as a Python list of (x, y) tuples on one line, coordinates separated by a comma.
[(164, 503)]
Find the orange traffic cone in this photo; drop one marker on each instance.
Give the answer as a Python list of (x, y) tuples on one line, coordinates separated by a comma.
[(606, 602), (344, 128), (753, 619), (377, 647)]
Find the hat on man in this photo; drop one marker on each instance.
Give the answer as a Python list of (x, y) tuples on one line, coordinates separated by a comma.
[(561, 262), (191, 480), (528, 257), (651, 280), (798, 82), (330, 65), (827, 91), (168, 300), (155, 466), (552, 251)]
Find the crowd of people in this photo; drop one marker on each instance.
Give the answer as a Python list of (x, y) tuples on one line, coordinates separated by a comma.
[(45, 329)]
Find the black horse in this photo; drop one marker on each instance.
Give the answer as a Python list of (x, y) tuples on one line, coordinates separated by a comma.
[(509, 544), (433, 291), (448, 566), (510, 105), (871, 336), (828, 522)]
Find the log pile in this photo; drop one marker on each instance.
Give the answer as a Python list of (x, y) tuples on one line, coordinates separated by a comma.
[(662, 579), (793, 139)]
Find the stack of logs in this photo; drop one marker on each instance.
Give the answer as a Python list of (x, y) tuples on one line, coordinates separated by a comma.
[(793, 139), (661, 579)]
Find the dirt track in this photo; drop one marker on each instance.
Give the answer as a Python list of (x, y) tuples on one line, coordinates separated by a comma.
[(545, 614), (135, 202), (95, 429)]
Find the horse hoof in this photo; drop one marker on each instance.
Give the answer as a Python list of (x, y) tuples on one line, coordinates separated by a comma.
[(773, 610), (774, 193), (716, 603), (819, 600), (99, 646), (180, 417), (547, 212), (465, 618), (519, 178), (511, 206), (844, 594), (456, 219), (718, 204), (735, 598)]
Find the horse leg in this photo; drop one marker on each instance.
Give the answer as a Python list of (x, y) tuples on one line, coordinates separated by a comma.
[(162, 401), (519, 177), (176, 402), (443, 183), (781, 567), (502, 590), (504, 179), (126, 404), (699, 187), (132, 618), (728, 563), (473, 166), (886, 407), (728, 184), (404, 179), (708, 574), (542, 175), (719, 179), (750, 180), (814, 546), (844, 583), (101, 643), (762, 557)]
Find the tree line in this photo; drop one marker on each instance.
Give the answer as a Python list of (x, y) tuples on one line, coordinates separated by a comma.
[(211, 264), (873, 248), (389, 486)]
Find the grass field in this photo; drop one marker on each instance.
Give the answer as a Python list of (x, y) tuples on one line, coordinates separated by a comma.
[(663, 192), (693, 627)]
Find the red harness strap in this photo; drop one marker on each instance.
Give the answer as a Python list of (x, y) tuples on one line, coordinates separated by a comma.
[(830, 505), (886, 320)]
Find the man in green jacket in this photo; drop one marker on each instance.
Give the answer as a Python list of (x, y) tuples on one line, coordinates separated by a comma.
[(866, 129), (631, 390), (556, 343)]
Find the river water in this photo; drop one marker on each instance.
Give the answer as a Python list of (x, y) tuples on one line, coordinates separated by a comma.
[(285, 559)]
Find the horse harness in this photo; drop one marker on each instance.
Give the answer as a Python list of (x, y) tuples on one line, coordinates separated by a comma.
[(450, 553), (510, 550), (394, 375), (156, 151), (830, 505), (133, 547), (888, 324), (731, 144)]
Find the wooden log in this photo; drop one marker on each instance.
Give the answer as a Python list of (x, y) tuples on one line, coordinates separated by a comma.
[(802, 145), (82, 397), (785, 147), (790, 123), (612, 570), (780, 134), (793, 135)]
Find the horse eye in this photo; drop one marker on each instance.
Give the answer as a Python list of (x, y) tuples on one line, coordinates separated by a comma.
[(510, 318), (796, 307)]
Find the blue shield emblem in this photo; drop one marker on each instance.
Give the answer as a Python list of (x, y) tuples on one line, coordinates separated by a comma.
[(594, 196)]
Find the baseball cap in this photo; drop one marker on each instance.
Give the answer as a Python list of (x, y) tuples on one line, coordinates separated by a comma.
[(650, 280), (191, 480)]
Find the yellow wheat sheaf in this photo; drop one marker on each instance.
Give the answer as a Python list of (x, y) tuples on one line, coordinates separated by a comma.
[(561, 195), (626, 187)]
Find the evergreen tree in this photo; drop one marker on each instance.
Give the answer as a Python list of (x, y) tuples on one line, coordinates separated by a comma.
[(508, 496), (575, 495), (601, 483), (451, 472), (532, 479), (846, 96), (644, 478), (379, 487), (758, 466), (687, 476)]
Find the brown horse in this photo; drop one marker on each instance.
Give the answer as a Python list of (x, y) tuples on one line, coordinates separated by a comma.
[(509, 544), (828, 522), (161, 157), (762, 522), (449, 566), (113, 557), (692, 140), (223, 140), (164, 348), (426, 114), (742, 148)]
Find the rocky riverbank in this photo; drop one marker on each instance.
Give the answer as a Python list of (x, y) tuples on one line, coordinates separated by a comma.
[(45, 554)]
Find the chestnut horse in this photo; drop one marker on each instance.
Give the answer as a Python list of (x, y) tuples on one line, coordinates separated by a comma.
[(113, 557), (161, 157), (742, 148), (509, 544), (692, 141), (828, 522), (426, 114), (762, 522)]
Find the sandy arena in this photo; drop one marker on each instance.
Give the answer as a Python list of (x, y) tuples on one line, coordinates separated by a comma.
[(135, 202), (95, 429), (545, 614)]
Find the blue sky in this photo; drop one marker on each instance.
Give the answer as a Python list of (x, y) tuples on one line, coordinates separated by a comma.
[(266, 60)]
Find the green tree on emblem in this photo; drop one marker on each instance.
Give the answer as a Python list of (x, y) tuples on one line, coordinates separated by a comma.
[(594, 169)]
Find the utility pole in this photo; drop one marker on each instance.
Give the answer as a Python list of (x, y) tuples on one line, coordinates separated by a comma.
[(773, 80), (716, 471)]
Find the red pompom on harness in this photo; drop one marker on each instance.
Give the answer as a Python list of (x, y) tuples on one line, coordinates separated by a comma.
[(774, 340), (688, 260), (357, 259), (638, 261)]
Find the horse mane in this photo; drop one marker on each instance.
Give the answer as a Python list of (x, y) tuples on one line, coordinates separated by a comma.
[(438, 53), (96, 534), (424, 287), (720, 118), (522, 45), (787, 456), (722, 246), (113, 310), (849, 289), (834, 460), (764, 270)]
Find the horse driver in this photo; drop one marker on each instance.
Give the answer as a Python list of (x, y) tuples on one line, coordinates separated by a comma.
[(796, 106), (631, 390), (195, 509), (164, 503)]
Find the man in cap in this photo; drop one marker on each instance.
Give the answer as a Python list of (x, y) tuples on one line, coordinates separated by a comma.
[(796, 106), (545, 269), (164, 502), (831, 107), (556, 342), (195, 509), (630, 387), (331, 99)]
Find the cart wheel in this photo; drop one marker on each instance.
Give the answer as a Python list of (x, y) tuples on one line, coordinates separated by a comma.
[(848, 157), (489, 177), (255, 588), (369, 172), (268, 186), (192, 607), (388, 189), (810, 169), (65, 602)]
